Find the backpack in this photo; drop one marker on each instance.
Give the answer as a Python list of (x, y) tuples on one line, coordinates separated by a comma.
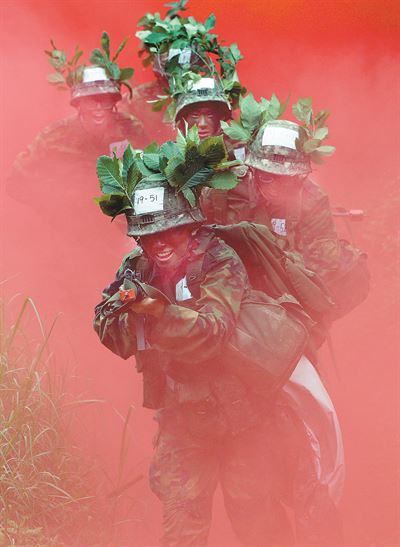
[(286, 305), (270, 269)]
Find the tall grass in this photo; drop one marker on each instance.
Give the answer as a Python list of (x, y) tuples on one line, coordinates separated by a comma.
[(47, 492)]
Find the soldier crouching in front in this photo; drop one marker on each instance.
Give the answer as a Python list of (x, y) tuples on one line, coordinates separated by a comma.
[(174, 304)]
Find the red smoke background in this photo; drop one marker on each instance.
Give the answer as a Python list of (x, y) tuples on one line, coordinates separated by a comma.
[(342, 53)]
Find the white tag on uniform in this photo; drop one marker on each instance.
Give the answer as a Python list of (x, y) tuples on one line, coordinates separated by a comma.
[(279, 226), (280, 136), (148, 200), (204, 83), (240, 153), (182, 290), (118, 147)]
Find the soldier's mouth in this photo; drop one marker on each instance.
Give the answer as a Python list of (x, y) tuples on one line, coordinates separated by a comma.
[(164, 256)]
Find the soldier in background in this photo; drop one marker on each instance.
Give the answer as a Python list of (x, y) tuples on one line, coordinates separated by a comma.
[(68, 148), (298, 211)]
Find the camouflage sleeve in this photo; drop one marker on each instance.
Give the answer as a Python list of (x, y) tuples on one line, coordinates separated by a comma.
[(117, 332), (316, 238), (199, 334)]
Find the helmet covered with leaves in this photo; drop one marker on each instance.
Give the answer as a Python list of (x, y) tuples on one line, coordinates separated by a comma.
[(205, 90), (274, 150), (287, 148), (159, 188), (103, 77), (95, 81)]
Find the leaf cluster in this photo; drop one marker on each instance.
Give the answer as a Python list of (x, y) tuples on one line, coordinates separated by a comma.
[(176, 7), (101, 57), (253, 115), (186, 165), (68, 73), (312, 130)]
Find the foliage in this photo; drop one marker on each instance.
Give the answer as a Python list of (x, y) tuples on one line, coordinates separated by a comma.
[(67, 73), (186, 165), (312, 130), (176, 34), (253, 115), (176, 7), (44, 487), (103, 59)]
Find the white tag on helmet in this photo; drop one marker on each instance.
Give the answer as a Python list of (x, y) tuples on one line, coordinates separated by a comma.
[(280, 136), (204, 83), (148, 200), (94, 74), (184, 55)]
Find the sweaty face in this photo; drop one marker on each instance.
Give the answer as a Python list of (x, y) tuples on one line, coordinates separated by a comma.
[(207, 118), (169, 248), (96, 112)]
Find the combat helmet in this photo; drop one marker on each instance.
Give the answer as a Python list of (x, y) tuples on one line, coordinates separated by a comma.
[(274, 150), (159, 188), (205, 90), (95, 81), (102, 77)]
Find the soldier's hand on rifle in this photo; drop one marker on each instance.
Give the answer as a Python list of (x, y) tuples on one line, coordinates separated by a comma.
[(149, 306)]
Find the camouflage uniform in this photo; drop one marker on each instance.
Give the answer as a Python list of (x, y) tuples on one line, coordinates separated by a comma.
[(302, 218), (210, 428)]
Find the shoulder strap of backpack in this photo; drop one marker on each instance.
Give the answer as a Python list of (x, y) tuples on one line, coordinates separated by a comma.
[(195, 267)]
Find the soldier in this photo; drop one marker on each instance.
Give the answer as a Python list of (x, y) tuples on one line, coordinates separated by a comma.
[(213, 426), (67, 149)]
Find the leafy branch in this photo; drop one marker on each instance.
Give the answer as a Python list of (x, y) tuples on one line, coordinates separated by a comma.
[(67, 73), (101, 57), (312, 130), (253, 115), (186, 165)]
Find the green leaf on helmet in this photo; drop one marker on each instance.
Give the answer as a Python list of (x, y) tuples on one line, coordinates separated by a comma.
[(303, 109), (108, 172), (105, 44), (127, 160), (320, 118), (311, 145), (97, 57), (213, 150), (326, 150), (113, 205), (174, 171), (121, 47), (171, 150), (126, 73), (223, 181), (210, 22), (250, 112), (193, 134), (316, 157), (154, 178), (199, 178), (56, 78), (181, 142), (133, 177), (170, 112), (235, 131), (190, 196), (156, 38), (321, 133), (151, 161)]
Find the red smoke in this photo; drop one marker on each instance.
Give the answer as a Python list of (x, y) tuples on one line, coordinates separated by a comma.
[(345, 55)]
